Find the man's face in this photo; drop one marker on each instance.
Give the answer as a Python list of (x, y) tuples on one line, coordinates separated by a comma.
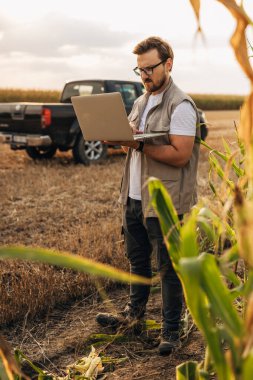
[(154, 82)]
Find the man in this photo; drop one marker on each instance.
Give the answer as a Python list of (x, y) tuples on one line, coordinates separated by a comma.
[(172, 158)]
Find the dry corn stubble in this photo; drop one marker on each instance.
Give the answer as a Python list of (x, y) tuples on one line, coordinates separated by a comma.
[(61, 206)]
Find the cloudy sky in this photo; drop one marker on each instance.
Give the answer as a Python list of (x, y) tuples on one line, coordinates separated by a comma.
[(44, 44)]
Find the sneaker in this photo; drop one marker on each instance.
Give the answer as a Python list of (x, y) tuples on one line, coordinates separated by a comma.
[(170, 342)]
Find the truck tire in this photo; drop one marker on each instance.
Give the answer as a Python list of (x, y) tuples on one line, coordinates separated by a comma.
[(40, 153), (87, 152)]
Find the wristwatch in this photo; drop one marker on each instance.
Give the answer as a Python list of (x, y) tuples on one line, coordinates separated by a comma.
[(140, 147)]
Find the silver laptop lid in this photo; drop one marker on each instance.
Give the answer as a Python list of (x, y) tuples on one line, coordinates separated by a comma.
[(102, 117)]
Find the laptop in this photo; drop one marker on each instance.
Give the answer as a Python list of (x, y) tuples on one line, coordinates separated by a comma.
[(103, 117)]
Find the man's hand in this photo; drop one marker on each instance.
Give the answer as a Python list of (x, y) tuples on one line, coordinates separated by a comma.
[(126, 144)]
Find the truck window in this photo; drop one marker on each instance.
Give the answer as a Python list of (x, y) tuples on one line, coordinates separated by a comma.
[(81, 88), (128, 92)]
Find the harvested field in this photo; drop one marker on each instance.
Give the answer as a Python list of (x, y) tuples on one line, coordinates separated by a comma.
[(63, 206)]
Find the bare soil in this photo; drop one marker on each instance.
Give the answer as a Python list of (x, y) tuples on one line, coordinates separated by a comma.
[(70, 207)]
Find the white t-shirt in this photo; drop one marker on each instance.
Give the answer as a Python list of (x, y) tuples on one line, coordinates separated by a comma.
[(183, 122)]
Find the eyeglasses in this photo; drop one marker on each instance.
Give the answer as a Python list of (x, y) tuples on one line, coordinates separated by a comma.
[(147, 70)]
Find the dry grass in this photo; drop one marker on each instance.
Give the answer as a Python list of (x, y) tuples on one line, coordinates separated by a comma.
[(62, 206), (68, 207)]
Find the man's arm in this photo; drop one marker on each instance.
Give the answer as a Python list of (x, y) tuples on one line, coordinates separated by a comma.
[(177, 153), (183, 129)]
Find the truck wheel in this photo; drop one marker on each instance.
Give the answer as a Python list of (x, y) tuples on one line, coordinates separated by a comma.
[(86, 152), (40, 153)]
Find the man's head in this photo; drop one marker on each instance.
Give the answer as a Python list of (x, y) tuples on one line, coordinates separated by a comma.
[(155, 60)]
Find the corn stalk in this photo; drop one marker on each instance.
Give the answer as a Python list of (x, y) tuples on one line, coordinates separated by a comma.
[(237, 361)]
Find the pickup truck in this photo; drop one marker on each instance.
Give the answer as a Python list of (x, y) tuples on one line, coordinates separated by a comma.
[(42, 128)]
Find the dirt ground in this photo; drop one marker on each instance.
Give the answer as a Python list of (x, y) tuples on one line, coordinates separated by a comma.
[(62, 335)]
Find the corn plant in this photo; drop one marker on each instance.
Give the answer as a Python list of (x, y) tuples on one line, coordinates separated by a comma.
[(214, 307), (223, 313), (220, 301)]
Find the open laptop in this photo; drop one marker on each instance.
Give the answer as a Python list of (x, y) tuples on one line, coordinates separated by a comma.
[(103, 117)]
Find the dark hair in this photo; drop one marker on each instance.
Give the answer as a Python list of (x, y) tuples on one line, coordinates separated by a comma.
[(164, 49)]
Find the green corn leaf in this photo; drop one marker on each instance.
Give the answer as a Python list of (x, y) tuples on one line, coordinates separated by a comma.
[(208, 229), (106, 338), (212, 187), (248, 287), (218, 295), (226, 147), (233, 348), (190, 272), (151, 324), (238, 171), (68, 260), (230, 256), (170, 225), (22, 358), (110, 360), (188, 232), (187, 371), (231, 276), (220, 226), (247, 367), (216, 165)]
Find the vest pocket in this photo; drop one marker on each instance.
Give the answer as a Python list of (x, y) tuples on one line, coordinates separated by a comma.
[(173, 189)]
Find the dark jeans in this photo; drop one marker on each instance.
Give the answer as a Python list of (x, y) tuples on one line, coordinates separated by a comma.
[(141, 239)]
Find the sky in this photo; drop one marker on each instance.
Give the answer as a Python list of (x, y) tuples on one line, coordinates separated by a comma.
[(45, 43)]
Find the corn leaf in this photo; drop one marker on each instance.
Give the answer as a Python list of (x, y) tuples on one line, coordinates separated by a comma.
[(247, 367), (196, 8), (187, 371), (67, 260), (22, 358), (189, 246), (220, 226), (238, 40), (208, 229), (230, 256), (218, 295), (238, 171), (226, 147), (170, 225), (190, 272), (248, 287), (216, 165)]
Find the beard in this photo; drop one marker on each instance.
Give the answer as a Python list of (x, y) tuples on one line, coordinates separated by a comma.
[(153, 87)]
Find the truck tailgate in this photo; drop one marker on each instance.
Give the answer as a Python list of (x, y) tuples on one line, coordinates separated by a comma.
[(20, 117)]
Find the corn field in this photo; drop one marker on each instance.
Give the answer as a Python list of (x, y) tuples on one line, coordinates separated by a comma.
[(206, 102)]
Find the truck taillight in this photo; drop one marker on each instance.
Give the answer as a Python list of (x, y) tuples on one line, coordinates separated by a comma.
[(46, 118)]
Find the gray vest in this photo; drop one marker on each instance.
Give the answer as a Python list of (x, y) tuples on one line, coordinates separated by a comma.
[(180, 182)]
